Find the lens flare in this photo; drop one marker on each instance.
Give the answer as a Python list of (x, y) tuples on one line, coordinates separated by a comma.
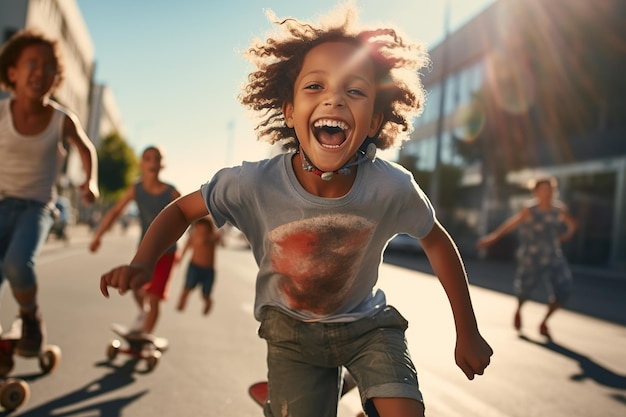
[(469, 121)]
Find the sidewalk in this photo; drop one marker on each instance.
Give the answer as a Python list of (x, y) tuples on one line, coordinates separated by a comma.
[(77, 234), (596, 295)]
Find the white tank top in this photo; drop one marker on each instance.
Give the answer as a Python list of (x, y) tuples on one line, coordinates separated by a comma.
[(30, 164)]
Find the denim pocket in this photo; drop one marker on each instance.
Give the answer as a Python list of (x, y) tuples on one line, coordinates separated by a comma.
[(277, 327)]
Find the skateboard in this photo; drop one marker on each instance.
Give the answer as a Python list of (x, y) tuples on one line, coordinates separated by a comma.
[(14, 391), (139, 345)]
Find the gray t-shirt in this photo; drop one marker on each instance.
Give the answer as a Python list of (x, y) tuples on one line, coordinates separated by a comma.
[(150, 205), (318, 257)]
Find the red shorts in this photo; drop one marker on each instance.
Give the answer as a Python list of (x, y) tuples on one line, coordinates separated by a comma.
[(158, 285)]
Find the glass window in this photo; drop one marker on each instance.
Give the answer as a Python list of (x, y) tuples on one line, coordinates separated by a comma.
[(452, 86), (478, 72), (426, 154), (431, 110)]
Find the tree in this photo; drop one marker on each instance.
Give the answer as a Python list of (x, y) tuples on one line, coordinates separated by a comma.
[(117, 166)]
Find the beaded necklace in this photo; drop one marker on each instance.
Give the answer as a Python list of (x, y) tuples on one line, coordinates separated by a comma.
[(369, 154)]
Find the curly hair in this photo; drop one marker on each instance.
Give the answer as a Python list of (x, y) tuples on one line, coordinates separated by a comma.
[(278, 61), (12, 49)]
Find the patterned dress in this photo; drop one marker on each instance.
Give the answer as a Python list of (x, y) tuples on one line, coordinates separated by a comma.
[(540, 256)]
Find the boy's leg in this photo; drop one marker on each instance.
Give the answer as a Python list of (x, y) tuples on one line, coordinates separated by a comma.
[(208, 279), (299, 389), (25, 226), (191, 280), (398, 407), (182, 301), (301, 380), (156, 290), (152, 315), (381, 365), (208, 304), (139, 295)]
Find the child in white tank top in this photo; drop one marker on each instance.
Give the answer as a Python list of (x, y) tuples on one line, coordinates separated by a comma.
[(34, 132)]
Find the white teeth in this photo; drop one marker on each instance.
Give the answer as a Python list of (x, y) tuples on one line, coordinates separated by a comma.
[(331, 123)]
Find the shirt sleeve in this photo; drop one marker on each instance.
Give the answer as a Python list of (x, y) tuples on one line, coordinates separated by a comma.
[(222, 197)]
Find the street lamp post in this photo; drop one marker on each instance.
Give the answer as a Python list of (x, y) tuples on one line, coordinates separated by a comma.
[(436, 176)]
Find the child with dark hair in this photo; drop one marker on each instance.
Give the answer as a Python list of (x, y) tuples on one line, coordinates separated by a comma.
[(151, 194), (35, 132), (318, 218), (540, 257), (202, 242)]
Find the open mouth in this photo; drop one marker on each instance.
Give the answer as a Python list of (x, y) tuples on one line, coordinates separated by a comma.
[(330, 133)]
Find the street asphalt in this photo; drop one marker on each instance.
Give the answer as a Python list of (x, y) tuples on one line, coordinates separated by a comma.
[(596, 293)]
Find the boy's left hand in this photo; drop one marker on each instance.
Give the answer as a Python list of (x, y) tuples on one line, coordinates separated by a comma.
[(472, 354), (124, 278)]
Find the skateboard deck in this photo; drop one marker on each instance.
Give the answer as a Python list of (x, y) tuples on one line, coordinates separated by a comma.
[(14, 391), (258, 392), (159, 343), (140, 345)]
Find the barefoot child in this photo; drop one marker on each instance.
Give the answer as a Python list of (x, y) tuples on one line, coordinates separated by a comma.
[(34, 134), (318, 218), (202, 242), (151, 195)]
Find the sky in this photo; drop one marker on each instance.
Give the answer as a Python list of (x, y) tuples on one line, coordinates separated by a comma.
[(176, 68)]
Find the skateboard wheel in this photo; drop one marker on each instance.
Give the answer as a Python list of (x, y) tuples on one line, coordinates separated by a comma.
[(13, 393), (113, 349), (153, 360), (49, 358)]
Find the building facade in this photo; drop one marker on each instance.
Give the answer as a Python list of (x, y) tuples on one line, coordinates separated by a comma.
[(93, 103), (61, 20), (531, 88)]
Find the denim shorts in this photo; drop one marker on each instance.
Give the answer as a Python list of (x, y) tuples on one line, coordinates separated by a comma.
[(197, 275), (305, 361)]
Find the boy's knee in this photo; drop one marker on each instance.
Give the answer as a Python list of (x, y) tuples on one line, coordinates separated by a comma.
[(20, 274)]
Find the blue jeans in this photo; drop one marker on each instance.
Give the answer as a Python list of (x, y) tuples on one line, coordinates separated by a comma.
[(24, 227), (305, 361)]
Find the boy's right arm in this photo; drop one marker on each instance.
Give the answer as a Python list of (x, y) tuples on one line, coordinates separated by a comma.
[(110, 218), (163, 232)]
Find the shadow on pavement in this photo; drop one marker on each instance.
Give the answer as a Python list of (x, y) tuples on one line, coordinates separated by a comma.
[(63, 406), (592, 294), (588, 368)]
